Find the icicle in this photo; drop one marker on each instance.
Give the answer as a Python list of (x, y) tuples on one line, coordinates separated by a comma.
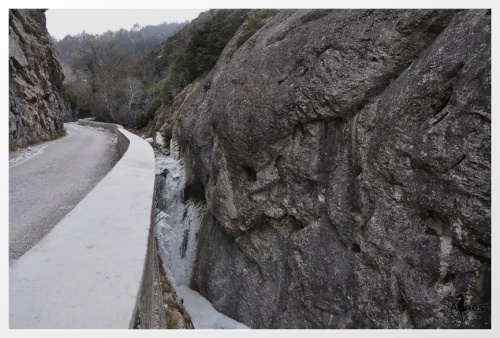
[(179, 223), (176, 228)]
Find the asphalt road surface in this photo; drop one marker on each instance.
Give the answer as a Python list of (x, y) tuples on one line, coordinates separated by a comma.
[(46, 181)]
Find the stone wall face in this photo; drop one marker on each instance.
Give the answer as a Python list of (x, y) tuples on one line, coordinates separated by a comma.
[(37, 109), (345, 158)]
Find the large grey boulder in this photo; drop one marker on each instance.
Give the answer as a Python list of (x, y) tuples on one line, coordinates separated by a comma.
[(345, 159)]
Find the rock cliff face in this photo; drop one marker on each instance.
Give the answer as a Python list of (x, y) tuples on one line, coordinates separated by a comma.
[(37, 109), (345, 159)]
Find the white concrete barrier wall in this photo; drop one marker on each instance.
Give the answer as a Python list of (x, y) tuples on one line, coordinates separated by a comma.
[(87, 272)]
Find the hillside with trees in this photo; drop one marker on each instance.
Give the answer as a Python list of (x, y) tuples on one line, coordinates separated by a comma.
[(105, 73), (126, 76)]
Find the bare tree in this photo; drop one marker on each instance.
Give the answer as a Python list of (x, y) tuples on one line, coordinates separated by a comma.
[(104, 70), (107, 80)]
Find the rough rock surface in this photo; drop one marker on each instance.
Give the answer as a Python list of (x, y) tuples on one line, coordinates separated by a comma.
[(345, 159), (37, 109)]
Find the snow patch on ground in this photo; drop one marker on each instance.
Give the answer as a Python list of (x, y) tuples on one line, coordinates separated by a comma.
[(177, 224), (203, 314), (97, 128), (22, 155)]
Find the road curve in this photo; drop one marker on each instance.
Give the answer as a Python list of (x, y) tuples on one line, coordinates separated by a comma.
[(45, 186)]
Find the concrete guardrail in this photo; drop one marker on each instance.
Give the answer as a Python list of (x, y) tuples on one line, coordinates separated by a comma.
[(93, 270)]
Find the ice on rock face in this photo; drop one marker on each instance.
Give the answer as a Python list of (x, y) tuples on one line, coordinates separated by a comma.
[(177, 224), (176, 235), (159, 140)]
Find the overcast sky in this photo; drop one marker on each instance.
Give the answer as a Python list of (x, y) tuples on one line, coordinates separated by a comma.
[(61, 22)]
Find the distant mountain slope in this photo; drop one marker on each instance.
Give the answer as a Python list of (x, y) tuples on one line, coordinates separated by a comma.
[(105, 73), (137, 41)]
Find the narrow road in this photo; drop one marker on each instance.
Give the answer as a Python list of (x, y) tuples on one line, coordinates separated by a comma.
[(46, 181)]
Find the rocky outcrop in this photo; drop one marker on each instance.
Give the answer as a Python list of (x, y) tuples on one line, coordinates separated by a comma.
[(36, 107), (345, 158)]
